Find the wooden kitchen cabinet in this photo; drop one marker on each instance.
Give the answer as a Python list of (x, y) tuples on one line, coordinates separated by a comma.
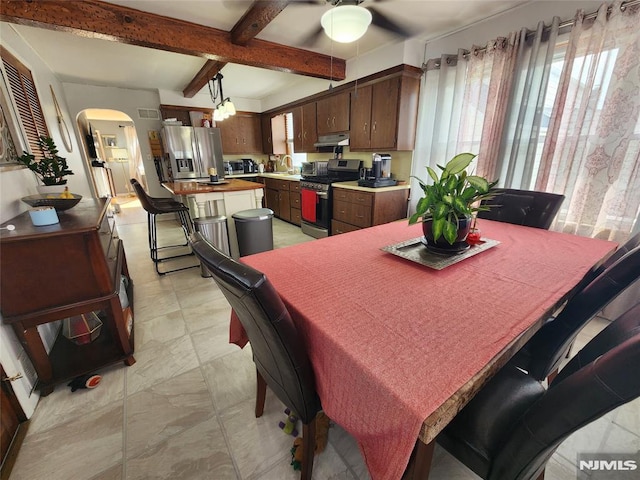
[(356, 209), (384, 113), (274, 137), (294, 203), (63, 270), (283, 197), (333, 113), (241, 133), (304, 128)]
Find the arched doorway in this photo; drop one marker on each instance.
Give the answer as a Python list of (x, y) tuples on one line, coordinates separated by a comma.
[(112, 152)]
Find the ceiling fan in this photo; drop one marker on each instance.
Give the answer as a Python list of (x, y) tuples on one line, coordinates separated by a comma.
[(348, 21)]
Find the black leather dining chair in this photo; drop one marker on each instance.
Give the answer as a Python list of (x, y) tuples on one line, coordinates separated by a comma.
[(522, 207), (155, 206), (543, 353), (278, 350), (621, 251), (511, 428)]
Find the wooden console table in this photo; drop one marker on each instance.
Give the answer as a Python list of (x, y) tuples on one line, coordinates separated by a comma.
[(57, 271)]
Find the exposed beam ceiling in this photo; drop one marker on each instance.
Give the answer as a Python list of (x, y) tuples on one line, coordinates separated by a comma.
[(252, 22), (107, 21)]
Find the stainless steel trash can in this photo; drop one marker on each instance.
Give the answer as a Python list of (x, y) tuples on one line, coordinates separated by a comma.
[(254, 229), (214, 229)]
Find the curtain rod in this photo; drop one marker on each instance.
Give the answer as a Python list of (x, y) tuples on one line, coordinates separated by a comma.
[(434, 63)]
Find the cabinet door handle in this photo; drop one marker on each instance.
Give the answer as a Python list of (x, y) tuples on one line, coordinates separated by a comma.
[(12, 378), (374, 126), (364, 129), (328, 125), (333, 121)]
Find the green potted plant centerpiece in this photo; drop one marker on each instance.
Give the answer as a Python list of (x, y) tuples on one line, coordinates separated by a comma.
[(51, 169), (449, 203)]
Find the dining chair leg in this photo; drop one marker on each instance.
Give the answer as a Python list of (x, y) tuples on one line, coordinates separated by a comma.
[(420, 461), (261, 392), (308, 449)]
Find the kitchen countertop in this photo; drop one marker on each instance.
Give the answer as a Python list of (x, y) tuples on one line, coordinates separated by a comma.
[(354, 186), (284, 176), (195, 187)]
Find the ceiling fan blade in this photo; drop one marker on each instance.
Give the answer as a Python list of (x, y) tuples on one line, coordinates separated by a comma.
[(381, 20), (312, 38)]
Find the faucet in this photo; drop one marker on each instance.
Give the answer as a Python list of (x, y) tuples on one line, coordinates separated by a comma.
[(285, 157)]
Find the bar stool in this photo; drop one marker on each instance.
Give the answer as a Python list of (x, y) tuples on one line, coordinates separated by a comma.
[(157, 206)]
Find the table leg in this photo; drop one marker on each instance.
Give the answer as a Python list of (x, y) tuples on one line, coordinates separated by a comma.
[(420, 461)]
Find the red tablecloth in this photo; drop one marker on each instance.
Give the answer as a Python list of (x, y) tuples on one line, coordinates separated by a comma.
[(391, 340)]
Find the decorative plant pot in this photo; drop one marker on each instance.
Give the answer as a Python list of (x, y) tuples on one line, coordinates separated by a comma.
[(441, 245), (50, 189)]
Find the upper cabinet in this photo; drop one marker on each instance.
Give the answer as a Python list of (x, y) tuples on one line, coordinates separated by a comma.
[(241, 133), (304, 128), (333, 114), (274, 136), (384, 113)]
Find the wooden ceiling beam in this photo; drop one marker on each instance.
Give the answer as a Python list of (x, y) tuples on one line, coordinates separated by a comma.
[(206, 73), (255, 19), (107, 21), (258, 16)]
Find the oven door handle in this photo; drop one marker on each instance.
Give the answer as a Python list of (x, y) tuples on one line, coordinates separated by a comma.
[(323, 194)]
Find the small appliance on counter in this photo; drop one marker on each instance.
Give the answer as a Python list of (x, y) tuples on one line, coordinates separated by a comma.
[(379, 175), (228, 169), (237, 167), (249, 165)]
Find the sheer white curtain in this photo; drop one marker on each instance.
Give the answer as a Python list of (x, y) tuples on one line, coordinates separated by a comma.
[(592, 151), (442, 92), (463, 102), (136, 166), (531, 100)]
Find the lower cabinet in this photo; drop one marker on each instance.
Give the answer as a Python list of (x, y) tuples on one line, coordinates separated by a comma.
[(356, 209), (283, 197)]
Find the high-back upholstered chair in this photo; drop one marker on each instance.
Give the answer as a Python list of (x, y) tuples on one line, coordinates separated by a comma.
[(621, 251), (513, 425), (542, 354), (278, 349), (155, 206), (523, 207)]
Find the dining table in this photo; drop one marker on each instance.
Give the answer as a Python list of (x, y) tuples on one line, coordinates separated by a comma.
[(397, 346)]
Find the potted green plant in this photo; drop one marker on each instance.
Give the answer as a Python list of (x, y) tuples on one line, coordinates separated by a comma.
[(449, 203), (51, 169)]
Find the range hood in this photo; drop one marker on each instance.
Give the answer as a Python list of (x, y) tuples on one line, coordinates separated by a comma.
[(335, 140)]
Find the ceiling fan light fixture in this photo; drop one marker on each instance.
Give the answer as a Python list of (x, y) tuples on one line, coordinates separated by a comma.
[(346, 24)]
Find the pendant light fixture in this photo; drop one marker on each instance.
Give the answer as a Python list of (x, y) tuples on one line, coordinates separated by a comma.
[(225, 108), (346, 23)]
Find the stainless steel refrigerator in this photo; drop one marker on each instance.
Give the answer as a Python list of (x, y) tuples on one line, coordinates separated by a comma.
[(193, 151)]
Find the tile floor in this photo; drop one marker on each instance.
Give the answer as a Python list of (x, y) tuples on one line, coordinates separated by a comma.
[(184, 410)]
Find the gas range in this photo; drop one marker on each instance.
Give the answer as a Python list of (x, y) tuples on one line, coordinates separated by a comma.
[(337, 170)]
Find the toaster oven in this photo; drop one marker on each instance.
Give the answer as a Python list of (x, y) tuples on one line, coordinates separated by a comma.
[(314, 169)]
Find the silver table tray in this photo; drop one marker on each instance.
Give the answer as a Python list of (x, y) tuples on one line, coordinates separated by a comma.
[(416, 251)]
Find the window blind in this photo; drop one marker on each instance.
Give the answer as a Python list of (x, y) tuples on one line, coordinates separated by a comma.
[(26, 100)]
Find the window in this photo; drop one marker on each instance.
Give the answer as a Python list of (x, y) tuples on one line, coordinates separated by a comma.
[(26, 101)]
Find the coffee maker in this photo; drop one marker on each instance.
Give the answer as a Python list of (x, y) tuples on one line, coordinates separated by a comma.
[(379, 175)]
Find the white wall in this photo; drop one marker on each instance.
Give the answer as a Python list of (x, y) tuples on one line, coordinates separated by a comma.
[(81, 97), (15, 184)]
